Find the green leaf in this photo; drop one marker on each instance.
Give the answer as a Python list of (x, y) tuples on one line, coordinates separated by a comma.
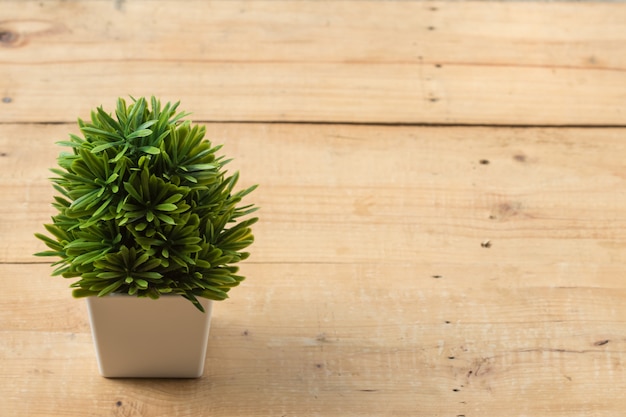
[(166, 207), (165, 218), (150, 149), (147, 124), (82, 244), (57, 232), (109, 289), (82, 293), (143, 284), (247, 191), (140, 227), (152, 263), (149, 275), (51, 243), (109, 275), (60, 270), (90, 257), (179, 116), (120, 154), (96, 214), (112, 178), (100, 132), (106, 118), (214, 294), (173, 199), (141, 259), (100, 148), (70, 144), (192, 240), (201, 167), (139, 134), (49, 253), (147, 242), (84, 200), (132, 191)]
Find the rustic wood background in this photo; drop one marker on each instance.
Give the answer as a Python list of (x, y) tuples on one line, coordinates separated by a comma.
[(443, 218)]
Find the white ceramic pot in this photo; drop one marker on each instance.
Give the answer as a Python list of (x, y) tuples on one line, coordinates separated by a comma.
[(145, 338)]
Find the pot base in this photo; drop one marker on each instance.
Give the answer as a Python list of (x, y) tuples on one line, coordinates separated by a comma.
[(144, 338)]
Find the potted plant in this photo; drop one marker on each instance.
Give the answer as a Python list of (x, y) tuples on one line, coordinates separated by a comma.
[(151, 225)]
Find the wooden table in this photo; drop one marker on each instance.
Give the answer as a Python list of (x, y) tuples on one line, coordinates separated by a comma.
[(442, 185)]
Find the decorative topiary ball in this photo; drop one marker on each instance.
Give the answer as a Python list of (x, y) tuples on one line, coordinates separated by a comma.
[(146, 208)]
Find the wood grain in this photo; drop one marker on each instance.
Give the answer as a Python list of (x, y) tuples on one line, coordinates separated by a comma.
[(399, 269), (366, 62), (358, 341), (369, 292), (386, 194)]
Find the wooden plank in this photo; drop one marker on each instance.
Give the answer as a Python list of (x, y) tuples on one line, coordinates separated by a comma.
[(398, 270), (375, 62), (386, 194), (460, 287), (339, 339), (368, 291)]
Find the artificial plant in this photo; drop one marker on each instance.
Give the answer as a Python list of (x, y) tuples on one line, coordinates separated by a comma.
[(146, 207)]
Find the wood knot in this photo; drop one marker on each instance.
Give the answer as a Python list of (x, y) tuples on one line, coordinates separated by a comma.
[(507, 209), (321, 338), (16, 33), (8, 37)]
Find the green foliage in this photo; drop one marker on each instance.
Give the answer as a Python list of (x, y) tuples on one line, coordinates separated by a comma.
[(146, 208)]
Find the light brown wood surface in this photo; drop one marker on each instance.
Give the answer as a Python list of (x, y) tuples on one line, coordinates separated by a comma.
[(399, 269), (344, 61)]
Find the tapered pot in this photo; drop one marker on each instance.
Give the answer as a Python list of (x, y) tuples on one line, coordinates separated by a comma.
[(145, 338)]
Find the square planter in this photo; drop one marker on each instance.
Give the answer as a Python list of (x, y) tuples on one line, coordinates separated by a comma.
[(145, 338)]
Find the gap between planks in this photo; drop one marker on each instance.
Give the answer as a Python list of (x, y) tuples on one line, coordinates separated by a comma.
[(373, 124)]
